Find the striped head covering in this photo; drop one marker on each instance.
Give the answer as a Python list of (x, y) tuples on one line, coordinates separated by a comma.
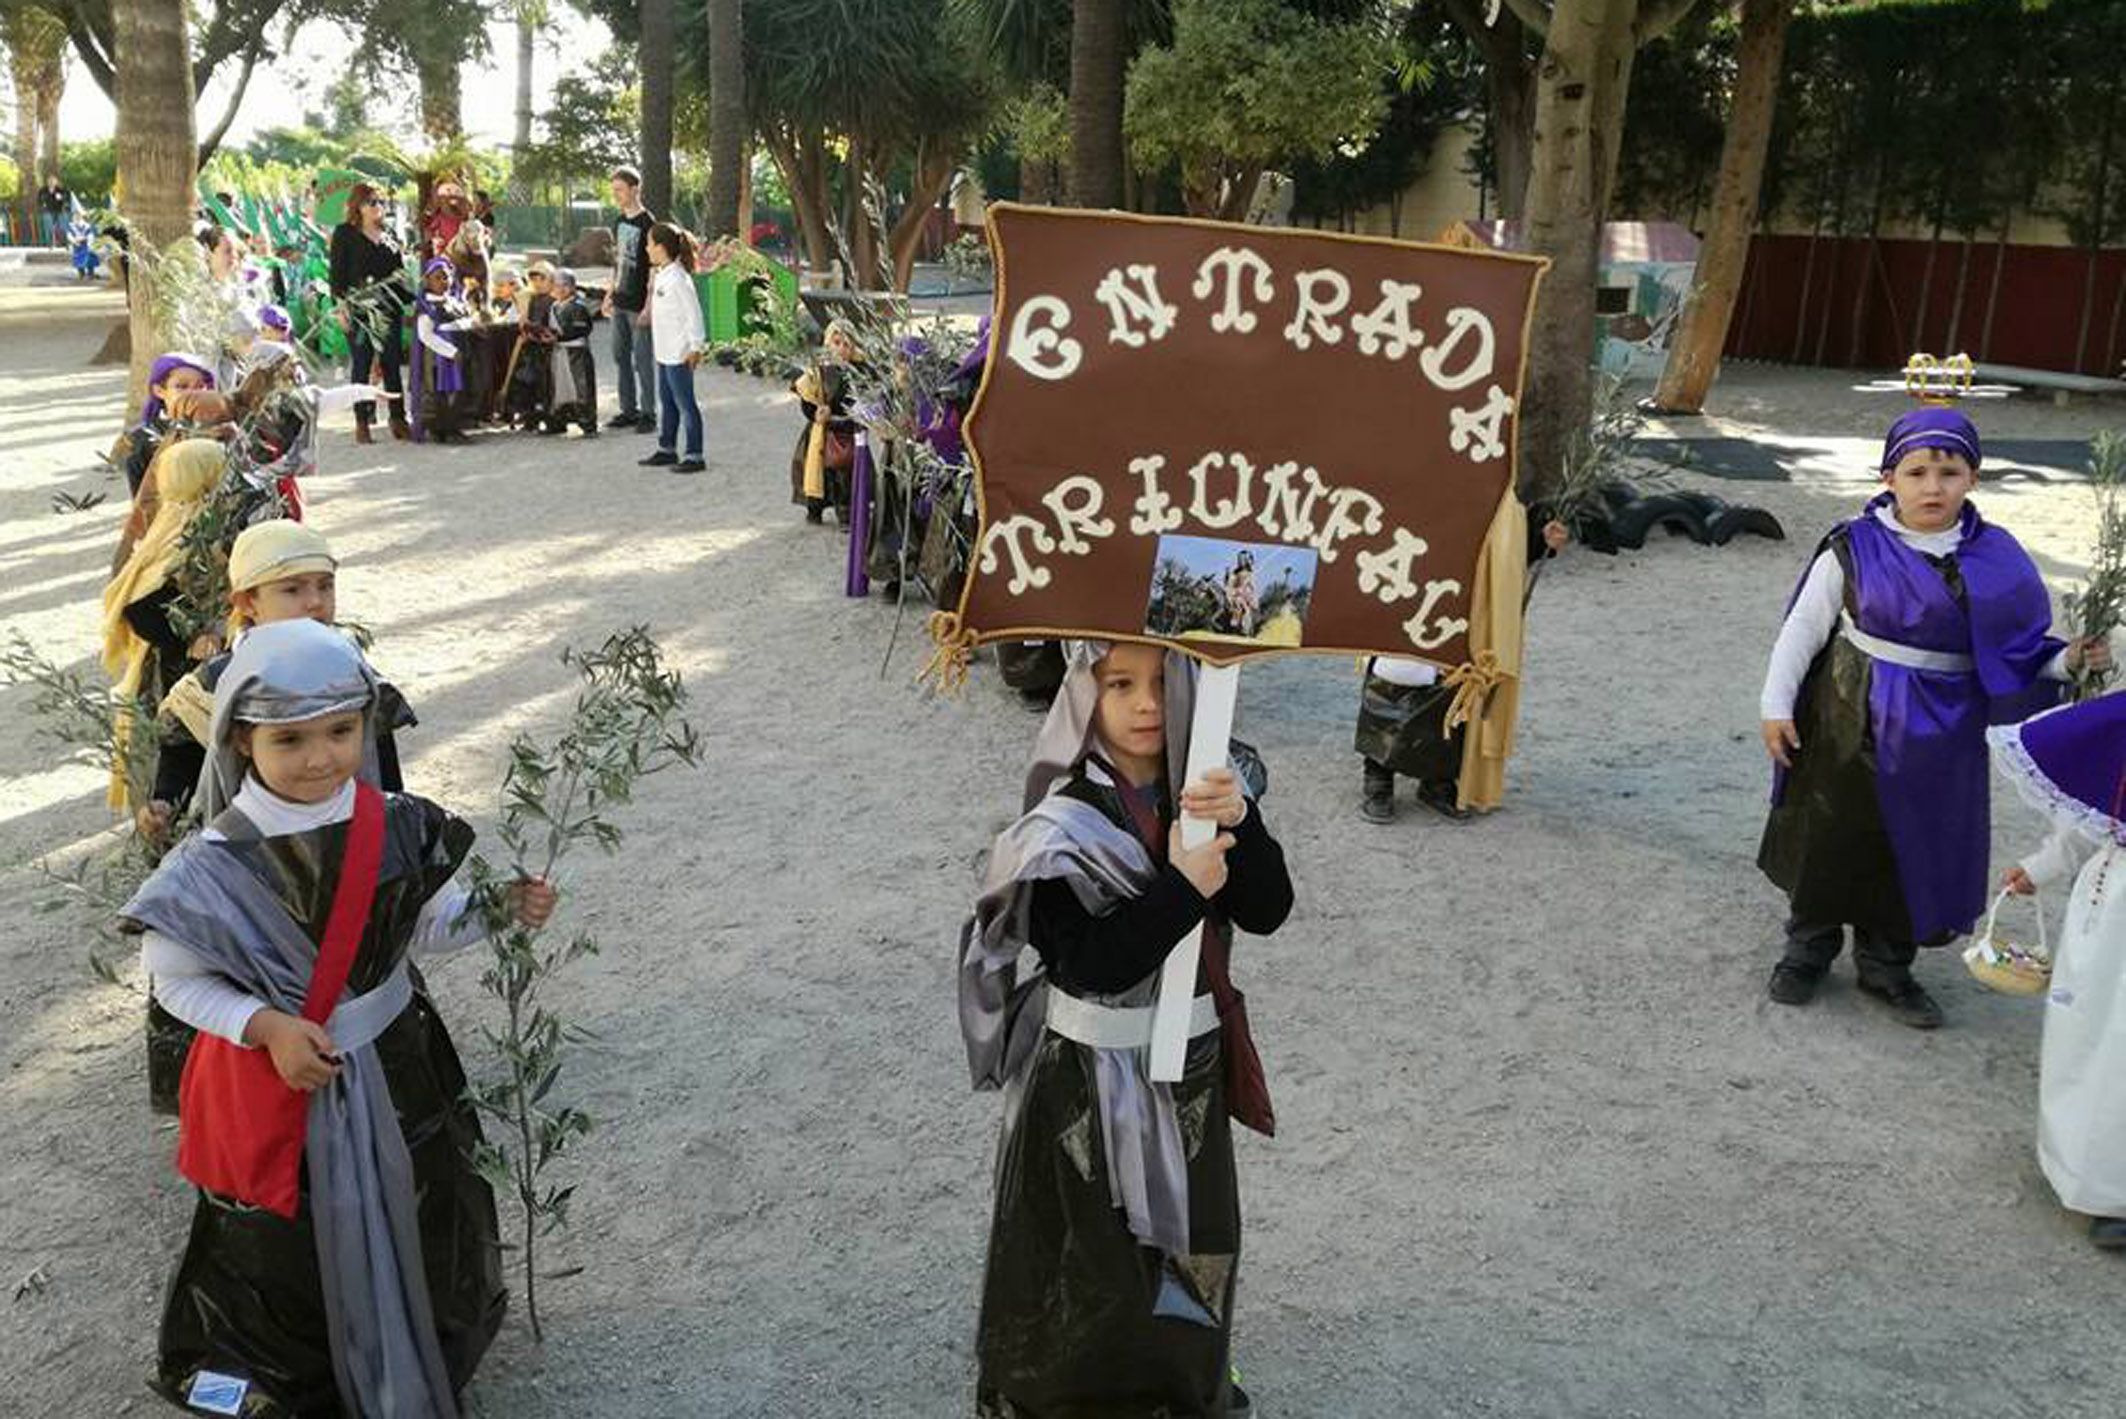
[(1931, 427)]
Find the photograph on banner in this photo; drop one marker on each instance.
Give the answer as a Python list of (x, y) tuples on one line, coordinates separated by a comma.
[(1243, 440), (1204, 588)]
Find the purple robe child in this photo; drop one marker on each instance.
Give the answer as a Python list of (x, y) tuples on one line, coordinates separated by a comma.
[(1883, 822)]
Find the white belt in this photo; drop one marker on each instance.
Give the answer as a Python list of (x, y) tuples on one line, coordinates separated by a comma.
[(1911, 657), (1118, 1027), (359, 1021)]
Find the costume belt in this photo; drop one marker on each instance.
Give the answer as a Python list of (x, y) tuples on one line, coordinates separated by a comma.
[(359, 1021), (1118, 1027), (1911, 657)]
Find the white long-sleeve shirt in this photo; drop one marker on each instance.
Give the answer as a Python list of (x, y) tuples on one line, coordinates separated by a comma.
[(1814, 619), (193, 991), (676, 328)]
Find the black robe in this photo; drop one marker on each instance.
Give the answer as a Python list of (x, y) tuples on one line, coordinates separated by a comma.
[(246, 1298), (1080, 1320), (571, 322), (178, 767)]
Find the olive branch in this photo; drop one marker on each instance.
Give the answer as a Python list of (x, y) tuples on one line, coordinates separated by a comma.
[(626, 724)]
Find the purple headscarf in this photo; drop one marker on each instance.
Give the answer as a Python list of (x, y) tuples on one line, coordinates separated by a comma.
[(435, 264), (161, 370), (2071, 762), (1931, 427), (272, 317)]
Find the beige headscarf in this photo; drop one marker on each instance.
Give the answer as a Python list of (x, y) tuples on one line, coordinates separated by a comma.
[(185, 472)]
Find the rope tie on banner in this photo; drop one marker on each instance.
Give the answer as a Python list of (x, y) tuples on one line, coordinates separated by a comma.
[(953, 654), (1472, 683)]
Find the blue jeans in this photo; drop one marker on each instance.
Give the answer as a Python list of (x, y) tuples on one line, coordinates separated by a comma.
[(675, 397), (634, 365)]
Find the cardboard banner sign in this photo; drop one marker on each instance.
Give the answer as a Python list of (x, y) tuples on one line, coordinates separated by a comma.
[(1239, 440)]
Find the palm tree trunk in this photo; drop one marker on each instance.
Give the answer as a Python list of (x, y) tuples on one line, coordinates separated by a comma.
[(727, 115), (28, 179), (1585, 54), (654, 61), (1097, 60), (442, 109), (1701, 332), (156, 153), (521, 138)]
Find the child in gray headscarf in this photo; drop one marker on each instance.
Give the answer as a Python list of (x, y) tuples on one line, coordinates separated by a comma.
[(1115, 1239), (364, 1277)]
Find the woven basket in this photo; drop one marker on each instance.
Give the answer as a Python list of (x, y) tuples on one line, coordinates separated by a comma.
[(2008, 966)]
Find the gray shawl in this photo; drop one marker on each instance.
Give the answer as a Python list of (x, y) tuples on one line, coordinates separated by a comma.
[(362, 1204), (1002, 1009)]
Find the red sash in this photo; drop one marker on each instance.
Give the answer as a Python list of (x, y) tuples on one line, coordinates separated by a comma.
[(1247, 1088), (241, 1128)]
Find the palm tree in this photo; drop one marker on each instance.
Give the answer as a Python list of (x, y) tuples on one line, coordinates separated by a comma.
[(656, 59), (36, 47), (727, 115), (531, 14), (157, 152), (1099, 56)]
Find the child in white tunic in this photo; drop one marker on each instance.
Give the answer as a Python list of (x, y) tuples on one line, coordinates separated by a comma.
[(2071, 764)]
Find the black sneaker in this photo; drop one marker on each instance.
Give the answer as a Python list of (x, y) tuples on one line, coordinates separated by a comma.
[(647, 424), (1794, 982), (689, 465), (1907, 1001), (660, 459), (625, 419), (590, 431), (1237, 1404), (2108, 1233)]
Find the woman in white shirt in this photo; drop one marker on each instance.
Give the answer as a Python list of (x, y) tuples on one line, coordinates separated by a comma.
[(677, 334)]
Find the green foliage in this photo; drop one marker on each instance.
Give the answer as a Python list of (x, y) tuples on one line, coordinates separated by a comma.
[(556, 798), (10, 181), (1038, 123), (590, 128), (2098, 606), (1951, 113), (79, 716), (90, 169), (1249, 84)]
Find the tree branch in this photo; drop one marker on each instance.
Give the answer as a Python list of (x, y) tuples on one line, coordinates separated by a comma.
[(1535, 14), (1503, 43), (92, 42), (236, 100), (1657, 18)]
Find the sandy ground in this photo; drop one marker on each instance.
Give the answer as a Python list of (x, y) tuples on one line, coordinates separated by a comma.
[(1546, 1148)]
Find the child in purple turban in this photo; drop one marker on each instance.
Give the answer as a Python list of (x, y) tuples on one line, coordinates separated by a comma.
[(440, 314), (1917, 624), (174, 373)]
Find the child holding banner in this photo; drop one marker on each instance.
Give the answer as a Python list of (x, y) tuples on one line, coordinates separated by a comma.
[(1402, 720), (343, 1256), (1916, 620), (1115, 1239)]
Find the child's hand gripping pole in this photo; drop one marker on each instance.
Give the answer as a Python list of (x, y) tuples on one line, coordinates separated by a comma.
[(1209, 741)]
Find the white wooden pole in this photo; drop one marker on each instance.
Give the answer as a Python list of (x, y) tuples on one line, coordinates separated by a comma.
[(1209, 740)]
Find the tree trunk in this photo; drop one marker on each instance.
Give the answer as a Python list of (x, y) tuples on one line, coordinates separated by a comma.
[(48, 96), (862, 229), (1918, 339), (1956, 307), (1993, 290), (745, 193), (1584, 58), (521, 139), (654, 61), (789, 160), (727, 116), (1511, 91), (934, 167), (2099, 207), (1097, 60), (1701, 332), (442, 117), (156, 151), (1239, 196), (28, 179)]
